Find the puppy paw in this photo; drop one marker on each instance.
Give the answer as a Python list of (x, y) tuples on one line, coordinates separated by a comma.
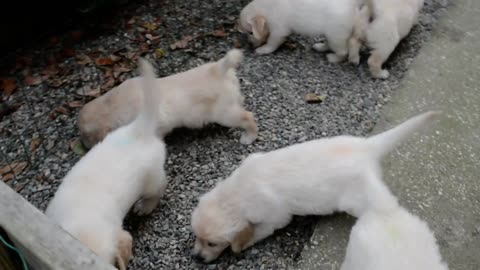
[(145, 206), (383, 74), (320, 46), (333, 58), (248, 138), (264, 50), (354, 59)]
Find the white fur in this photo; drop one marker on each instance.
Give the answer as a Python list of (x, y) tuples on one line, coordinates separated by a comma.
[(125, 168), (391, 21), (206, 94), (318, 177), (332, 19), (393, 240)]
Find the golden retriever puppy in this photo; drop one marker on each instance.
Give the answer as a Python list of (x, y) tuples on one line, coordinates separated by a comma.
[(270, 21), (317, 177), (393, 239), (382, 24), (206, 94), (123, 170)]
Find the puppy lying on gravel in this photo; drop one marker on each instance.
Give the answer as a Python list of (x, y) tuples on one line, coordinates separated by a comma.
[(391, 21), (392, 239), (314, 178), (271, 21), (126, 167), (207, 94)]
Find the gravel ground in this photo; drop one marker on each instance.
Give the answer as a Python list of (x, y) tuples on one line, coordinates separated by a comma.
[(42, 130)]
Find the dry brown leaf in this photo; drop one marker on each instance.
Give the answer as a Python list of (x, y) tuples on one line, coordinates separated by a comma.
[(108, 73), (314, 98), (131, 21), (7, 177), (115, 58), (120, 69), (35, 143), (237, 43), (132, 56), (14, 168), (8, 86), (55, 83), (53, 41), (150, 26), (62, 110), (104, 61), (290, 45), (52, 116), (89, 92), (144, 48), (75, 104), (83, 59), (109, 84), (181, 44), (77, 35), (33, 80), (50, 70), (219, 33), (68, 52)]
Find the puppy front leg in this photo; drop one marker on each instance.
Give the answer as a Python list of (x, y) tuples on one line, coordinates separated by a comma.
[(262, 231), (153, 190), (274, 41), (238, 117)]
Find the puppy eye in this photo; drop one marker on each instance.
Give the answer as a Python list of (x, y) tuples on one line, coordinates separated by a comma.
[(210, 244)]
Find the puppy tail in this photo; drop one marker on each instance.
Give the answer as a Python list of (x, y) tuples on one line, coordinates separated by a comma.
[(230, 61), (146, 122), (385, 142)]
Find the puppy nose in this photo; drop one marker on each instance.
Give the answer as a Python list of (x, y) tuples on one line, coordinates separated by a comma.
[(198, 258)]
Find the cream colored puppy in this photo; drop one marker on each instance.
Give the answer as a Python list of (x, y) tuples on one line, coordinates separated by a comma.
[(271, 21), (393, 239), (124, 169), (313, 178), (207, 94), (391, 21)]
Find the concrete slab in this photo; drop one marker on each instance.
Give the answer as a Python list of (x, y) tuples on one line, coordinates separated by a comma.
[(435, 175)]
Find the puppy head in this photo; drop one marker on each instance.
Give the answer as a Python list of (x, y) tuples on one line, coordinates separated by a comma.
[(256, 26), (216, 226)]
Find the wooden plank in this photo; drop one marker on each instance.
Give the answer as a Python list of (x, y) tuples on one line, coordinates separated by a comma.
[(44, 244)]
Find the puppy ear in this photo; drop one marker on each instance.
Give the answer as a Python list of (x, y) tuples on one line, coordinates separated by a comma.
[(259, 27), (124, 250), (242, 238)]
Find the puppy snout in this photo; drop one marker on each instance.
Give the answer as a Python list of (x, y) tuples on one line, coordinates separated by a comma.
[(197, 257)]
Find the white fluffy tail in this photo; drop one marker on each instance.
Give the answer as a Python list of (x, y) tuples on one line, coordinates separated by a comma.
[(383, 143), (230, 61), (146, 122)]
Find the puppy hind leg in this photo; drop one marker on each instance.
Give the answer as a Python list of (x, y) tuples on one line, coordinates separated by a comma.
[(340, 48), (153, 190), (383, 38), (239, 117), (354, 46)]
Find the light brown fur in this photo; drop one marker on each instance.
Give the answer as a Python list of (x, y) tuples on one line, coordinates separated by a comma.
[(206, 94)]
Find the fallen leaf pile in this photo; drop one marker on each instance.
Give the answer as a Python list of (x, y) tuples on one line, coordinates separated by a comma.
[(11, 170), (8, 87), (181, 44)]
